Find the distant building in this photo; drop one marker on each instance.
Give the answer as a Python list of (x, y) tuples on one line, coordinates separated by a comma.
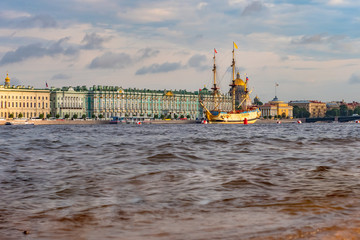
[(68, 101), (315, 108), (23, 101), (332, 105), (276, 107), (241, 92), (110, 101)]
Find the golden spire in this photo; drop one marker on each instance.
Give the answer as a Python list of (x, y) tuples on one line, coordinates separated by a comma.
[(7, 80)]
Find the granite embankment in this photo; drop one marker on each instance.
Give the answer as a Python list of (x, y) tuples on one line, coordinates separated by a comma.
[(89, 122)]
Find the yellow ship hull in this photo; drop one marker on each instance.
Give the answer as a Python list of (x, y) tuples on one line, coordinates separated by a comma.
[(242, 117)]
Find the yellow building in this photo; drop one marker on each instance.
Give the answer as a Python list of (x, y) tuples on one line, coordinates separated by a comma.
[(21, 101), (275, 108), (315, 108)]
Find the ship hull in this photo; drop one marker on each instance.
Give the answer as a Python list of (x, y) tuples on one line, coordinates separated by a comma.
[(249, 117)]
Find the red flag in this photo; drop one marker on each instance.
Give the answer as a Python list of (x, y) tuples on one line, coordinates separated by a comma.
[(47, 85), (247, 79), (215, 50)]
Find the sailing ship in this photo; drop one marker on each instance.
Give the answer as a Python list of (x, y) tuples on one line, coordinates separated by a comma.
[(243, 112)]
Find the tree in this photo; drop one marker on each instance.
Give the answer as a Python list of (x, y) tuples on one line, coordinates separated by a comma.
[(57, 115), (265, 117), (343, 110), (41, 116), (182, 116), (101, 116), (66, 116), (332, 113), (188, 116), (93, 116), (75, 116), (48, 115), (20, 115), (300, 112), (156, 116), (11, 115), (83, 116), (357, 110), (283, 115)]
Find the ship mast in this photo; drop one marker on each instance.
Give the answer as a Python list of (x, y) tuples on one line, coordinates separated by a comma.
[(215, 88), (233, 81)]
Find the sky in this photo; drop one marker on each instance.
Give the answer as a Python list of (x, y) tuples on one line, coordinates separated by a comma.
[(310, 48)]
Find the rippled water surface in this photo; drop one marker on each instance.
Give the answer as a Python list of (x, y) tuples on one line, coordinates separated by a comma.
[(130, 182)]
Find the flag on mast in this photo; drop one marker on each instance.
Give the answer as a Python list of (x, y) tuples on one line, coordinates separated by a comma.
[(235, 45), (215, 50), (46, 84)]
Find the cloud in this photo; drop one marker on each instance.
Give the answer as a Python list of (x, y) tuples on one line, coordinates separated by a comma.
[(37, 50), (121, 60), (253, 8), (148, 15), (201, 5), (159, 68), (316, 39), (197, 62), (337, 2), (60, 76), (354, 79), (13, 14), (93, 41), (38, 21), (147, 53), (111, 60)]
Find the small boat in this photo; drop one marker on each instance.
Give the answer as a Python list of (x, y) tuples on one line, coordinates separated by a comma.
[(117, 120), (19, 122), (242, 111)]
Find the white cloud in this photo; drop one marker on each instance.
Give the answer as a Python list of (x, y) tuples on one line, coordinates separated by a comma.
[(148, 15), (201, 5), (9, 14)]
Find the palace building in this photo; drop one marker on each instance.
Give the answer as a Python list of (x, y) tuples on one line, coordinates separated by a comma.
[(21, 101), (68, 102), (110, 101), (276, 108), (142, 103), (315, 108)]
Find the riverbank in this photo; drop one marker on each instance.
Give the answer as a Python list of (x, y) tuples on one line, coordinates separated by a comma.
[(91, 122)]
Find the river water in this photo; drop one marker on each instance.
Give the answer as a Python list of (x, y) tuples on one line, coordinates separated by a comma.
[(265, 181)]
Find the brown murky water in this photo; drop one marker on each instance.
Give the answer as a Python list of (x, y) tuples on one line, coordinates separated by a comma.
[(180, 182)]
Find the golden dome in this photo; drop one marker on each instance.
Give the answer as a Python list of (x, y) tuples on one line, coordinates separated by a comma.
[(239, 81), (7, 79)]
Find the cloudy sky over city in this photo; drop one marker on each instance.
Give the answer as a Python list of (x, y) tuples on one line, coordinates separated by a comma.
[(311, 48)]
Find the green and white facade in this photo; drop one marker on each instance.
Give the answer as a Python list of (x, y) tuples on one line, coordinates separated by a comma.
[(68, 101), (110, 101)]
